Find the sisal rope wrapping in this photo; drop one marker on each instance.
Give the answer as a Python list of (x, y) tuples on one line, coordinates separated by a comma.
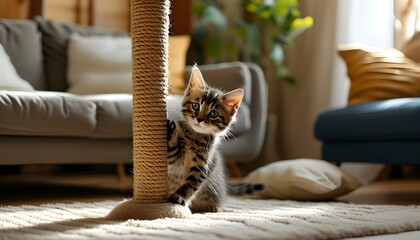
[(149, 31)]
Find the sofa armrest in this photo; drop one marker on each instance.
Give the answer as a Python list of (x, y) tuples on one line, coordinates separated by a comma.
[(247, 147), (228, 76)]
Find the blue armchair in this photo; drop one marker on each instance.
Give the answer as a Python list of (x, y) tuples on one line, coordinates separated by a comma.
[(386, 131)]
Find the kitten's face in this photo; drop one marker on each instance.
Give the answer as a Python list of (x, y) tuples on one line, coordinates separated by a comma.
[(208, 110)]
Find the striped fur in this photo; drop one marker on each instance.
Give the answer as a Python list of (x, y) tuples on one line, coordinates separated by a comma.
[(196, 173)]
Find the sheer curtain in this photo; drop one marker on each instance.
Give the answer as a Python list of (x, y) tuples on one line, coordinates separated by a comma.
[(369, 22), (323, 82), (407, 13)]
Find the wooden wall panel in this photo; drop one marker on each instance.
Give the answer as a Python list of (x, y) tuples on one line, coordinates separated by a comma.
[(181, 21), (14, 9), (111, 14), (74, 11), (20, 9)]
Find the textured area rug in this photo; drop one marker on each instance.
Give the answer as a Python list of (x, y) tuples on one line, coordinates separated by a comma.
[(240, 219)]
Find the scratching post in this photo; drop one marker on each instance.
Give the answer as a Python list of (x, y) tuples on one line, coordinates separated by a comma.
[(149, 32)]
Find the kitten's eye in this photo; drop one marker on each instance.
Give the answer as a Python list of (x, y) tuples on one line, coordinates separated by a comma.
[(213, 114), (195, 106)]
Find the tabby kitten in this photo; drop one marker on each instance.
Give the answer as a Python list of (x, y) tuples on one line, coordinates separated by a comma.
[(196, 174)]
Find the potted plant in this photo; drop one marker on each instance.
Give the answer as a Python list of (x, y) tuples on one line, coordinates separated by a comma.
[(260, 33)]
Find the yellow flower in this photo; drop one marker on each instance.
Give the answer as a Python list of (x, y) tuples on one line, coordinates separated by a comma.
[(302, 23)]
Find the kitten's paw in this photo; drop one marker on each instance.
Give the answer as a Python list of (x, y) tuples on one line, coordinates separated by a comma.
[(175, 198), (204, 209), (170, 128), (170, 125)]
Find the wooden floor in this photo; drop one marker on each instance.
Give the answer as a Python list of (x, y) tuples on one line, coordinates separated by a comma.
[(395, 191), (38, 189)]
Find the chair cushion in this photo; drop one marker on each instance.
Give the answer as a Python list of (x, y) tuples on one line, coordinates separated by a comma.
[(394, 119), (22, 42), (384, 152)]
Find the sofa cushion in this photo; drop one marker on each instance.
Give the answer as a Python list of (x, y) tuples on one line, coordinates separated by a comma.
[(106, 116), (55, 37), (378, 74), (394, 119), (177, 54), (9, 79), (113, 115), (22, 43), (91, 70), (41, 113)]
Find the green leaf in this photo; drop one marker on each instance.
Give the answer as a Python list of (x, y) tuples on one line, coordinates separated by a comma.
[(292, 80), (281, 39), (252, 47), (292, 14), (213, 47), (214, 16), (277, 20), (232, 51), (251, 8), (282, 7), (277, 54), (198, 8), (283, 73), (265, 14), (199, 34), (249, 36)]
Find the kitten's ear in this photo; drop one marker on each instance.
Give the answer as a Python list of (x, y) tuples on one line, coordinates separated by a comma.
[(233, 98), (196, 79)]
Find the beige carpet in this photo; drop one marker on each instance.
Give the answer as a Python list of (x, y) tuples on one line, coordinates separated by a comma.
[(241, 219)]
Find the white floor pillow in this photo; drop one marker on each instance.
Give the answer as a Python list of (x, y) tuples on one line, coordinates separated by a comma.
[(303, 179)]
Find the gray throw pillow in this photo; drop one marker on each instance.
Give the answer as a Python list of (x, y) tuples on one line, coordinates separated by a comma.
[(55, 37), (22, 43)]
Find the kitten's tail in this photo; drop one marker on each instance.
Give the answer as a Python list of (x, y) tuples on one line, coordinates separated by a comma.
[(245, 188)]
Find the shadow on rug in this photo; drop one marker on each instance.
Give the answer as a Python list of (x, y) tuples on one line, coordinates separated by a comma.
[(240, 219)]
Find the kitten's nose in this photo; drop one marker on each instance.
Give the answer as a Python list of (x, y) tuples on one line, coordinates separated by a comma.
[(199, 120)]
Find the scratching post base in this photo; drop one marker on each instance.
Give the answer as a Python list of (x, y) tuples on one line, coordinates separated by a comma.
[(140, 211)]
